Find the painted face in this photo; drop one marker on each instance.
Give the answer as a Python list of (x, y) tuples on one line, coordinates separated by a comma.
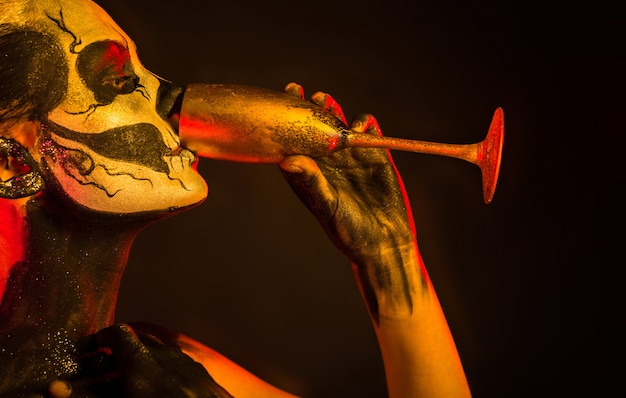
[(107, 142)]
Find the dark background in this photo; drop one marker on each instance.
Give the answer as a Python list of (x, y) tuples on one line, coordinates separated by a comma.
[(530, 284)]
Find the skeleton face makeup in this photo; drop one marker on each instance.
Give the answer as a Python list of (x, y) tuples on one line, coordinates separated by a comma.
[(107, 142)]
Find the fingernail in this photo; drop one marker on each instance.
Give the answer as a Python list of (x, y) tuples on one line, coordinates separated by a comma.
[(292, 168), (319, 98), (295, 89), (60, 389)]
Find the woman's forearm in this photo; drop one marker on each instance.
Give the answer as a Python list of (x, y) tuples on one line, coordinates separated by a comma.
[(418, 350)]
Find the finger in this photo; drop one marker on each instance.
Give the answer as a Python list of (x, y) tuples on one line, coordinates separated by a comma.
[(327, 102), (365, 123), (150, 339), (60, 389), (310, 185), (295, 89), (122, 340), (157, 334)]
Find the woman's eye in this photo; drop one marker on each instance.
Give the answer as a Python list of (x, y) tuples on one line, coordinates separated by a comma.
[(123, 85), (120, 82), (107, 70)]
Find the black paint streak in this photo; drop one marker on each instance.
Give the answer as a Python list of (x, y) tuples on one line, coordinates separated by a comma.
[(370, 295), (95, 184), (392, 282), (126, 174), (404, 281), (82, 163), (140, 144), (91, 109), (141, 89), (100, 186), (61, 24), (182, 184)]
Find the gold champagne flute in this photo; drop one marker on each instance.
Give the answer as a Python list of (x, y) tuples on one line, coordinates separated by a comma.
[(255, 125)]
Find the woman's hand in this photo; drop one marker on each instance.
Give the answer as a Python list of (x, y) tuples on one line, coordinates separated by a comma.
[(141, 361), (358, 197), (356, 194)]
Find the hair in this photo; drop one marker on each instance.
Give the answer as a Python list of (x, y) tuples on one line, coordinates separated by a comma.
[(16, 12), (33, 68)]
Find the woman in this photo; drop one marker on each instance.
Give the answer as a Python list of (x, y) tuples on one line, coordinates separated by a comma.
[(91, 152)]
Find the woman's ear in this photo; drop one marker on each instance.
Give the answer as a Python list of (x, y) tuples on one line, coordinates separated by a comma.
[(19, 172)]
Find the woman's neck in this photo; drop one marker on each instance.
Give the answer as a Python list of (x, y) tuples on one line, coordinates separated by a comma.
[(65, 271)]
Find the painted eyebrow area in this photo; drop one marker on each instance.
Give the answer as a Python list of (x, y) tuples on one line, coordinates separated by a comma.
[(104, 56)]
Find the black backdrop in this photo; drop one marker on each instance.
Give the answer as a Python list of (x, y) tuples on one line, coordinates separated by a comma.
[(529, 283)]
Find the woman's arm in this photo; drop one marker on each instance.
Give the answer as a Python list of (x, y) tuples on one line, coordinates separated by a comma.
[(358, 197)]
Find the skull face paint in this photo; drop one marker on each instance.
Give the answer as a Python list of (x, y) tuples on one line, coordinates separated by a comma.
[(108, 143)]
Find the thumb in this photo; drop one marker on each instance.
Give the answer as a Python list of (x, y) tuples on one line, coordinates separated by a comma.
[(310, 185)]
